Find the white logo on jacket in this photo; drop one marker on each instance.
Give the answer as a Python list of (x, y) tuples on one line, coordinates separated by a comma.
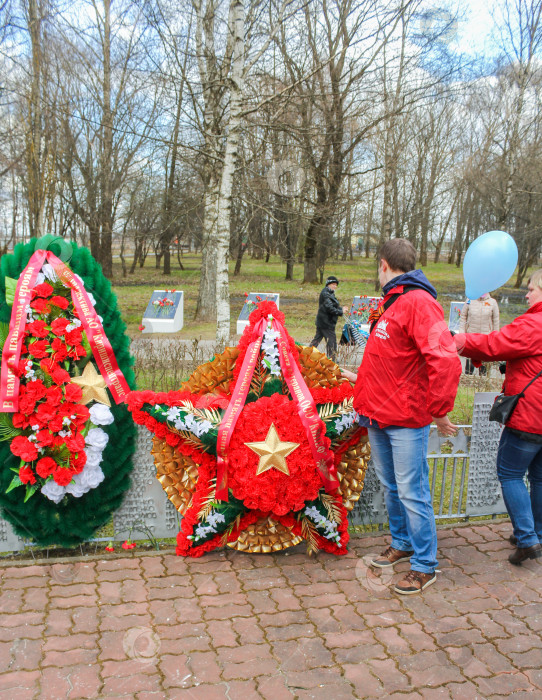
[(381, 330)]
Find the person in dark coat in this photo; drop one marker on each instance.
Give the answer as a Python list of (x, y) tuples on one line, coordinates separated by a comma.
[(329, 311)]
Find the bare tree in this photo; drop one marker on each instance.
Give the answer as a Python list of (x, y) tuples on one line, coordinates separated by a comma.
[(108, 113)]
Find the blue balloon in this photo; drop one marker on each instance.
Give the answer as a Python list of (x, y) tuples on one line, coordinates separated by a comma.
[(489, 263)]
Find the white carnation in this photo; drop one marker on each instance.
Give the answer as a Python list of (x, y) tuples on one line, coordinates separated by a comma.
[(53, 491), (97, 438), (39, 279), (76, 489), (101, 414), (94, 456), (91, 477)]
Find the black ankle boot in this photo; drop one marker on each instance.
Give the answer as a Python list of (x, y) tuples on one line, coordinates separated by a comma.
[(523, 553)]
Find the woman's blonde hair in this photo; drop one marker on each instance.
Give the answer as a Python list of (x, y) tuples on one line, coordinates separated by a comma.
[(536, 279)]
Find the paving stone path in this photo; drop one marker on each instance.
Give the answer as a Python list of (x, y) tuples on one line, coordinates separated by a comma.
[(284, 626)]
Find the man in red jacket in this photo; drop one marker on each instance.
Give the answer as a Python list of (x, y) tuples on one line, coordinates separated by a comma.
[(407, 380)]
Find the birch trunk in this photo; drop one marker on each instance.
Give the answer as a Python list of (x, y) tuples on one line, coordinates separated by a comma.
[(206, 306), (236, 23), (106, 243)]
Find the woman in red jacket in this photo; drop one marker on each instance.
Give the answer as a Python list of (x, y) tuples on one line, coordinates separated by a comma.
[(520, 448)]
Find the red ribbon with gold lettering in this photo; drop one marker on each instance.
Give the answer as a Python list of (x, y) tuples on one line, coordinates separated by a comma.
[(101, 347), (308, 414), (235, 407), (11, 352)]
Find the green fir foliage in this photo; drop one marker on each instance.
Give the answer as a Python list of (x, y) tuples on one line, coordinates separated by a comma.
[(74, 520)]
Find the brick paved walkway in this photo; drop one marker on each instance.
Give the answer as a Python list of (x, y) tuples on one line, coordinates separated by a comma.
[(285, 626)]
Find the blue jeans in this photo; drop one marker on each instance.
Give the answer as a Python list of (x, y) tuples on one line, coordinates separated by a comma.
[(514, 458), (400, 457)]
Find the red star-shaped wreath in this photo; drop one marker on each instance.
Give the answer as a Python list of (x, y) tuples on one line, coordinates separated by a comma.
[(260, 448)]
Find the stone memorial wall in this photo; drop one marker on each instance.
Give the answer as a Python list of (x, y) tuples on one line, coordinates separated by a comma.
[(146, 502)]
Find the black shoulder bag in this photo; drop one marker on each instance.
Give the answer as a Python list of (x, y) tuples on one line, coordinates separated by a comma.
[(386, 305), (504, 406)]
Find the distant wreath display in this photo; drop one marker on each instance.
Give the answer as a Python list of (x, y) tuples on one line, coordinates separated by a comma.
[(260, 449), (65, 447)]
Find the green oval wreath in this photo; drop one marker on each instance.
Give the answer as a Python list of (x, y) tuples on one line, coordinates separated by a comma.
[(73, 520)]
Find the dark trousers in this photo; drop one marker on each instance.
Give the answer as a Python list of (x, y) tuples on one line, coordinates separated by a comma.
[(469, 368), (331, 341), (515, 457)]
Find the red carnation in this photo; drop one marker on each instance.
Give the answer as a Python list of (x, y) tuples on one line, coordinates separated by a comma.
[(23, 448), (38, 348), (51, 367), (26, 475), (54, 396), (21, 368), (36, 388), (38, 329), (58, 344), (45, 467), (61, 302), (73, 392), (78, 462), (74, 337), (56, 424), (58, 326), (67, 409), (82, 414), (61, 354), (59, 375), (45, 438), (62, 476), (42, 290), (45, 413), (20, 420), (75, 443), (27, 403), (41, 306), (77, 352), (263, 310)]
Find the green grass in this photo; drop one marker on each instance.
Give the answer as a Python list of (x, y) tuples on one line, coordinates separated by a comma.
[(298, 301)]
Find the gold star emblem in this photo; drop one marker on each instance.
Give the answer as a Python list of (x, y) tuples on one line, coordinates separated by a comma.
[(272, 451), (93, 385)]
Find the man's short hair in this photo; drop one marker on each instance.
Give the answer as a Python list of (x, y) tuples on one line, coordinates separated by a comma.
[(399, 253), (536, 279)]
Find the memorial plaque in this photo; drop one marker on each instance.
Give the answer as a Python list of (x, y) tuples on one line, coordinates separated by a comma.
[(484, 496), (9, 541), (146, 503), (455, 314), (250, 304), (371, 507), (164, 312)]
